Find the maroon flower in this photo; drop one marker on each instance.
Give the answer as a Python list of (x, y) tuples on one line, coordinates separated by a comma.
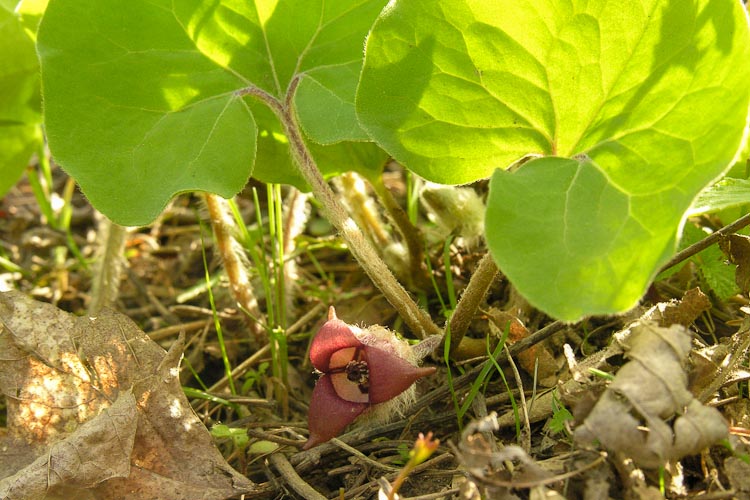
[(360, 369)]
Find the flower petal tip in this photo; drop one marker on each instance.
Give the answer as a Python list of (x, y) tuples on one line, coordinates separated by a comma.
[(329, 414), (332, 313), (333, 336), (391, 375)]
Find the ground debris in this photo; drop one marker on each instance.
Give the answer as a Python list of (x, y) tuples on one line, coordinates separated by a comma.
[(102, 409), (647, 413)]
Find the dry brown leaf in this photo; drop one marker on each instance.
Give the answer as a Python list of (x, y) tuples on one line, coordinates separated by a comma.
[(737, 248), (96, 410), (684, 311), (633, 415), (484, 461), (537, 361), (98, 450)]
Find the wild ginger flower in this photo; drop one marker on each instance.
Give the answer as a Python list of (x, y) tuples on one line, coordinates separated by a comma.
[(362, 369)]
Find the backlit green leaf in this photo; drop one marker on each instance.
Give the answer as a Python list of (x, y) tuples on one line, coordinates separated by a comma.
[(144, 99), (653, 92), (20, 116), (325, 104), (728, 192)]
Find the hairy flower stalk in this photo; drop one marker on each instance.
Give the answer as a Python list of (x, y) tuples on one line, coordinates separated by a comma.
[(365, 371)]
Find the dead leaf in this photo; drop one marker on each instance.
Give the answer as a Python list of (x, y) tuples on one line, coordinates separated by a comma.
[(737, 248), (684, 311), (537, 361), (632, 416), (99, 407), (98, 450), (484, 461)]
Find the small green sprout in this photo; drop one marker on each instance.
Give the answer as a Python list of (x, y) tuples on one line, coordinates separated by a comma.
[(423, 448)]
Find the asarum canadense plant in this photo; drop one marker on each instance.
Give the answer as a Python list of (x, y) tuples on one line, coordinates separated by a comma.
[(365, 371)]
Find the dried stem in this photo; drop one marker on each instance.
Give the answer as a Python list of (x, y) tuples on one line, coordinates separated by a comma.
[(417, 319), (234, 259), (526, 444), (741, 343), (409, 232), (293, 479)]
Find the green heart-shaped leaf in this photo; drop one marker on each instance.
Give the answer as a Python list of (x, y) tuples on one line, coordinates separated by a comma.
[(145, 99), (653, 92)]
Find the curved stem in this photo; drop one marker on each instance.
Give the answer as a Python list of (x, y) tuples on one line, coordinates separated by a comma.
[(472, 297), (416, 318), (234, 260)]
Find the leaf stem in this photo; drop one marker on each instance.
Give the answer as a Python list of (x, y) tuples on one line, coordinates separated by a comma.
[(409, 232), (416, 318), (105, 280), (472, 297)]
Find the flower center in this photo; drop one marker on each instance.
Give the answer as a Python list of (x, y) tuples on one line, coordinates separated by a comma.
[(359, 373)]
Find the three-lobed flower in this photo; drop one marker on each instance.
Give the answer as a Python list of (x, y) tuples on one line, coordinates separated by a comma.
[(361, 370)]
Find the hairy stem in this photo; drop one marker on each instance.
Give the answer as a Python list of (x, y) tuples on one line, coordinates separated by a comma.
[(105, 282), (416, 318), (234, 259), (471, 299), (409, 232), (297, 215)]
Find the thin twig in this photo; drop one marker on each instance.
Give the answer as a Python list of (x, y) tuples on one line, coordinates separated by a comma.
[(267, 436), (282, 465), (548, 480), (706, 242), (363, 457), (240, 369), (167, 315), (168, 331), (436, 495), (536, 337)]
